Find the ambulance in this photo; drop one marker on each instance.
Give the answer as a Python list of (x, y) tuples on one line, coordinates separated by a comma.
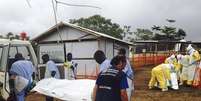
[(8, 49)]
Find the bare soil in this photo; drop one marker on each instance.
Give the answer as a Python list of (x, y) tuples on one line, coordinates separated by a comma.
[(142, 93)]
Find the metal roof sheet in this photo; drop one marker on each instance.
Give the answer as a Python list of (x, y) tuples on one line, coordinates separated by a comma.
[(98, 34)]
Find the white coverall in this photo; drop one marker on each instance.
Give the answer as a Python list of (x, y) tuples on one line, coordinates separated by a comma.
[(184, 61), (193, 63)]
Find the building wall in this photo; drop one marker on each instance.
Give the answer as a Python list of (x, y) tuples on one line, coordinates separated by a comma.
[(101, 45), (55, 51), (67, 33), (109, 49), (83, 55), (82, 50)]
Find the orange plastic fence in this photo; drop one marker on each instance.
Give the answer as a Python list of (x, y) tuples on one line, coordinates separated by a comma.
[(137, 61), (141, 60)]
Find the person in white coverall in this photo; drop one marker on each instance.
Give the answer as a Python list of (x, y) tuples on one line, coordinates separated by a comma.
[(193, 63), (173, 60), (183, 60), (51, 71)]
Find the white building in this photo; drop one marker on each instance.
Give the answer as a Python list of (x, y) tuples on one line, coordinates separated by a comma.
[(81, 42)]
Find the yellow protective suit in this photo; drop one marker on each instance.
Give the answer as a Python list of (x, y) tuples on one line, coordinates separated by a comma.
[(193, 63), (68, 72), (160, 74), (172, 60)]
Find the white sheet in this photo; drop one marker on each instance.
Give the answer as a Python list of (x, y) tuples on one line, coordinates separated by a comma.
[(68, 90)]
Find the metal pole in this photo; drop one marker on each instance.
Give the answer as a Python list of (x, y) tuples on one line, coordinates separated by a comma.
[(57, 26)]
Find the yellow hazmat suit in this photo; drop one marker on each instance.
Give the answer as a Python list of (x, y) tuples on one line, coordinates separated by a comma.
[(160, 74), (68, 73), (193, 63), (183, 60), (172, 60)]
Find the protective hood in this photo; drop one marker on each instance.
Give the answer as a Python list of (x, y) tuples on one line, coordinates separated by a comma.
[(172, 57), (179, 57), (190, 49)]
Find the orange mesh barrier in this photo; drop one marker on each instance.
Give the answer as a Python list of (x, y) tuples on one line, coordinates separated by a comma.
[(140, 60)]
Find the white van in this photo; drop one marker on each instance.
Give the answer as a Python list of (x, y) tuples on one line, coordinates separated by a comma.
[(8, 49)]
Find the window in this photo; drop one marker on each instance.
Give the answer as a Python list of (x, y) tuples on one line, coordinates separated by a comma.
[(55, 52), (19, 49)]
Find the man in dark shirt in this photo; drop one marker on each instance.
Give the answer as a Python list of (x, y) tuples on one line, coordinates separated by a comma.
[(112, 83)]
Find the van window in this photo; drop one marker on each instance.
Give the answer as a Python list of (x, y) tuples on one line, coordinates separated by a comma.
[(19, 49)]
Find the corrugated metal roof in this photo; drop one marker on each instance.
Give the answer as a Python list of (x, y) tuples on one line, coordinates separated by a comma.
[(98, 34)]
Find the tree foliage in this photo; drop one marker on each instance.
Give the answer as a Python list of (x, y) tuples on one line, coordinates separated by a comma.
[(127, 34), (99, 24), (161, 33), (168, 33), (144, 34), (180, 34)]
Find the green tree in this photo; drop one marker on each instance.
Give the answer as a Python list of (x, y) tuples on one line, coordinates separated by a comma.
[(168, 33), (100, 24), (144, 34), (180, 34), (127, 34)]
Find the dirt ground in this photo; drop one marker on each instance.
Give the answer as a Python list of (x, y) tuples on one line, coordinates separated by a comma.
[(142, 93)]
